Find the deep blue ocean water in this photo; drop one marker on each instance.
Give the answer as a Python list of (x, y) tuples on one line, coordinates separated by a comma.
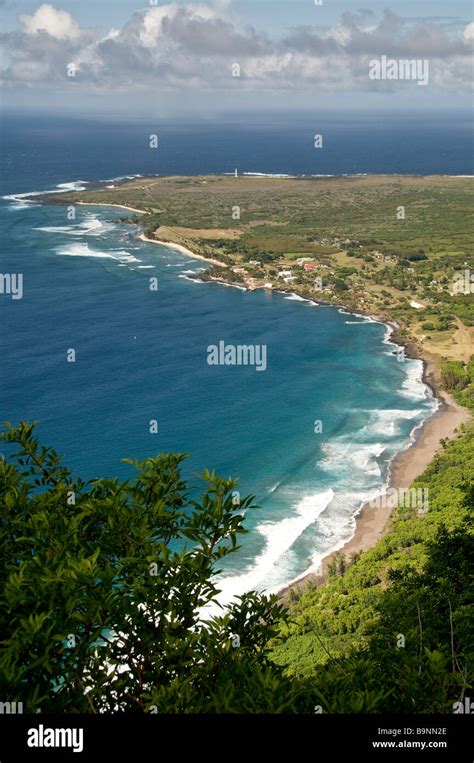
[(142, 355)]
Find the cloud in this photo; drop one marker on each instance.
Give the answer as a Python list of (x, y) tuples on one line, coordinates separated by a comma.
[(177, 46), (58, 24), (468, 33)]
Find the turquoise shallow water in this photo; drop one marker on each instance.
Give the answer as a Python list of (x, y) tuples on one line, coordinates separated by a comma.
[(142, 355)]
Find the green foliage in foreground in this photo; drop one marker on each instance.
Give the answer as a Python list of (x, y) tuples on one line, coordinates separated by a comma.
[(101, 586), (397, 623)]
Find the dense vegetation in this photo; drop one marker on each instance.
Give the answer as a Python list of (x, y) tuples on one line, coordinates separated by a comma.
[(394, 632), (458, 378), (102, 585)]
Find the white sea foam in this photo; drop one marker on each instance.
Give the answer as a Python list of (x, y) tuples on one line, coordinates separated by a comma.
[(22, 202), (363, 318), (76, 185), (59, 229), (340, 521), (343, 455), (18, 207), (385, 421), (90, 222), (274, 487), (266, 174), (90, 226), (365, 457), (337, 526), (388, 335), (216, 281), (312, 175), (413, 385), (366, 318), (296, 298), (122, 177), (433, 407), (17, 203), (193, 280), (124, 256), (279, 538), (229, 285), (83, 250)]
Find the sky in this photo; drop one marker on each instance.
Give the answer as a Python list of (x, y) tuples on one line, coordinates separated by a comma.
[(234, 56)]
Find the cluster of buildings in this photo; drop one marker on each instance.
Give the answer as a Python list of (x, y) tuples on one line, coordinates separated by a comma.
[(307, 263)]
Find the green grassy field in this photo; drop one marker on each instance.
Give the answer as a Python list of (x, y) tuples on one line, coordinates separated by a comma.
[(438, 209)]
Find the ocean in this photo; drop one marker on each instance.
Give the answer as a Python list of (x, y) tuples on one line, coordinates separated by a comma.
[(142, 355)]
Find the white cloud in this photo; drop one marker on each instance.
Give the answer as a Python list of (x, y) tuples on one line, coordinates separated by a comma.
[(47, 18), (153, 21), (339, 33), (194, 46), (468, 33)]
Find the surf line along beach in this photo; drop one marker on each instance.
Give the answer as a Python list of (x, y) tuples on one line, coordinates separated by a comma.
[(182, 249), (142, 237), (372, 517)]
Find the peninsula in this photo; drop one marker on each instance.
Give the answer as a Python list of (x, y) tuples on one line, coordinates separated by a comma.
[(396, 247)]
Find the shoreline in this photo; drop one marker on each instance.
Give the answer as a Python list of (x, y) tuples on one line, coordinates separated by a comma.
[(406, 466), (182, 249), (142, 237), (107, 204), (404, 469)]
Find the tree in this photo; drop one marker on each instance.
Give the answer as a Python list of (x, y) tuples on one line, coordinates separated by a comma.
[(103, 585), (340, 285), (454, 375)]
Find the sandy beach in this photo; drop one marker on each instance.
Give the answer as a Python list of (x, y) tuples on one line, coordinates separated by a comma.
[(183, 249), (142, 237), (405, 468), (104, 204)]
